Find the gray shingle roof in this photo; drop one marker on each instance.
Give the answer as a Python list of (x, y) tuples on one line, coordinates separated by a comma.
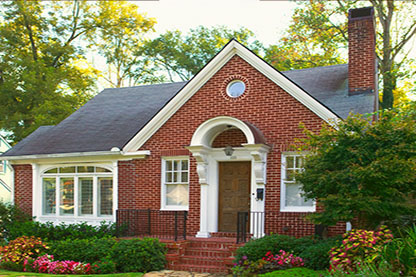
[(115, 115)]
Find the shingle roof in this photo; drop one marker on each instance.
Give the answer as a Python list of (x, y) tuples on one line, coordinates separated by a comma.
[(115, 115)]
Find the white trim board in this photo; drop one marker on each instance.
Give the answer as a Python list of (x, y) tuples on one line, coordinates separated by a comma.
[(231, 49)]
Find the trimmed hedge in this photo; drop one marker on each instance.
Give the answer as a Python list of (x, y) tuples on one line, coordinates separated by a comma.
[(139, 255), (49, 232), (82, 250)]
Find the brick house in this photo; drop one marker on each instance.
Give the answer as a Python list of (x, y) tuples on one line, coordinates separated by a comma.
[(213, 146)]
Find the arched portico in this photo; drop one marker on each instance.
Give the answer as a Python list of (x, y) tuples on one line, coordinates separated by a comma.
[(208, 159)]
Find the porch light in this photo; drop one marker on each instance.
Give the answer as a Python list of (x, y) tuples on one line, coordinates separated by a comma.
[(228, 150)]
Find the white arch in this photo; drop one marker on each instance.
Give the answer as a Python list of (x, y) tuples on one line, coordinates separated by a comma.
[(208, 130)]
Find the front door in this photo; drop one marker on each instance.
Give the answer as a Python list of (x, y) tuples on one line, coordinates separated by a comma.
[(234, 193)]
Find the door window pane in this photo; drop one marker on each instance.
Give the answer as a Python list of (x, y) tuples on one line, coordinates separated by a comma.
[(85, 196), (105, 192), (49, 195), (66, 196)]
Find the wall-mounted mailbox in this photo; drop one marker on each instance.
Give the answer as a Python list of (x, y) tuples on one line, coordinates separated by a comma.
[(260, 194)]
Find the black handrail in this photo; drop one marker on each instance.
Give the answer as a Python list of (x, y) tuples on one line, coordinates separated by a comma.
[(152, 223)]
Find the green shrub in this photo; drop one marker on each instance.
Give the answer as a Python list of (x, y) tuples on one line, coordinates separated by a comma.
[(314, 251), (139, 255), (105, 266), (50, 232), (10, 215), (316, 256), (82, 250), (256, 249)]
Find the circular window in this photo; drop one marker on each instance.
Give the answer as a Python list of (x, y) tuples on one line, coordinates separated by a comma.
[(236, 88)]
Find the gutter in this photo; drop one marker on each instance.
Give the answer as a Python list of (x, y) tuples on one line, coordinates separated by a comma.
[(114, 152)]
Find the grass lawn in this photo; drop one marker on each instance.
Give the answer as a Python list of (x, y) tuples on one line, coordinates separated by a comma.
[(296, 272), (14, 273)]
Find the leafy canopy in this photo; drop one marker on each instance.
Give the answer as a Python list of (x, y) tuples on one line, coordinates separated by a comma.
[(44, 74), (362, 171)]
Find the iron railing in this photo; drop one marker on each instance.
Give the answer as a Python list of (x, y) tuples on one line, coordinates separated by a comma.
[(152, 223), (250, 225)]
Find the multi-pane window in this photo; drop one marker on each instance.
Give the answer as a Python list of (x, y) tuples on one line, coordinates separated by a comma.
[(77, 191), (291, 193), (175, 190)]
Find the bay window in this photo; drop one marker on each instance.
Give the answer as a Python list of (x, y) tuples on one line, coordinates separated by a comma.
[(77, 191), (291, 199), (175, 183)]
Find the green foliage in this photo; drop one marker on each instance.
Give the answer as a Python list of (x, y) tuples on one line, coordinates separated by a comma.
[(181, 56), (314, 252), (357, 247), (93, 250), (44, 73), (10, 215), (362, 170), (316, 255), (400, 254), (318, 36), (139, 255), (256, 249), (20, 249), (50, 232), (104, 266), (294, 272)]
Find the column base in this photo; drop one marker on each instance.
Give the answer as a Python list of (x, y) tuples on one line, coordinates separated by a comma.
[(203, 235)]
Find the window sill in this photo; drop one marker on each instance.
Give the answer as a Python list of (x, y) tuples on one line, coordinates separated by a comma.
[(176, 208), (298, 210)]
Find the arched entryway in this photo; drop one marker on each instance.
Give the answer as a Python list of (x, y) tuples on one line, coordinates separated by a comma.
[(241, 173)]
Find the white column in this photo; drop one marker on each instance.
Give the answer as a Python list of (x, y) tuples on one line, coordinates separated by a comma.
[(200, 153), (115, 189), (36, 192)]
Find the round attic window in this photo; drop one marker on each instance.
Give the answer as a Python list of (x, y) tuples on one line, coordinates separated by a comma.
[(236, 88)]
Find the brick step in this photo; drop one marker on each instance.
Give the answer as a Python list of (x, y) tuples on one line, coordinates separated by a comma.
[(208, 252), (206, 261), (211, 244), (200, 268)]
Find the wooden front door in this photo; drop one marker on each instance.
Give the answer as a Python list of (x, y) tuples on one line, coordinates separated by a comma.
[(234, 193)]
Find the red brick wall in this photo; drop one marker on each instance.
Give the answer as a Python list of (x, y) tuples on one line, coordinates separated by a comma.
[(265, 105), (23, 187), (361, 54), (233, 137)]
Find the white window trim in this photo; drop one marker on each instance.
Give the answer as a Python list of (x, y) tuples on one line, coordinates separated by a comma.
[(283, 207), (163, 205), (3, 164), (95, 217)]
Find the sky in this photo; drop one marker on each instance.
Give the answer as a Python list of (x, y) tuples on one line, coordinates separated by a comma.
[(268, 19)]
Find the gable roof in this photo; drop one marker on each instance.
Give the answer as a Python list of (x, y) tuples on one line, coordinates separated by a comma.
[(126, 117)]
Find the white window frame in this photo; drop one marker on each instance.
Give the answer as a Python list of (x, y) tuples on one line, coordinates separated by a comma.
[(164, 206), (76, 215), (283, 207)]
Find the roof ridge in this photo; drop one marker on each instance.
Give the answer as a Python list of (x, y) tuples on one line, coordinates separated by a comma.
[(143, 86), (316, 67)]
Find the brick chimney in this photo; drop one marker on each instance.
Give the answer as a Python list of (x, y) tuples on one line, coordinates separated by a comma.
[(361, 51)]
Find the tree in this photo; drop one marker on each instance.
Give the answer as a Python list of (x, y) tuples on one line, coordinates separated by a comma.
[(181, 56), (319, 30), (362, 171), (121, 33), (44, 75)]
